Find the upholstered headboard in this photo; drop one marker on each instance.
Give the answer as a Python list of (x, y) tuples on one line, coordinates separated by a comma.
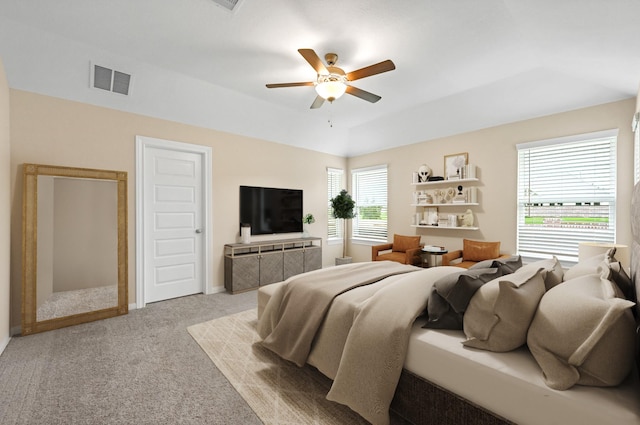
[(635, 255)]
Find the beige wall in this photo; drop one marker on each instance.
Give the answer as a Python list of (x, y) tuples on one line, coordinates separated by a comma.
[(53, 131), (5, 200), (493, 150)]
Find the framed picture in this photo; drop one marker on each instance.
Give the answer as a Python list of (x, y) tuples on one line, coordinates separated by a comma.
[(453, 163)]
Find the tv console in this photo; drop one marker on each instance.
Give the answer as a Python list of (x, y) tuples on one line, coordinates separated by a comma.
[(249, 266)]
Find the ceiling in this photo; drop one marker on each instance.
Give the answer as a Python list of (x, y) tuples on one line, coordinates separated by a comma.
[(461, 65)]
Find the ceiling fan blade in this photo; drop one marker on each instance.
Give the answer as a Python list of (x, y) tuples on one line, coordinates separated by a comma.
[(368, 71), (369, 97), (277, 85), (313, 59), (317, 102)]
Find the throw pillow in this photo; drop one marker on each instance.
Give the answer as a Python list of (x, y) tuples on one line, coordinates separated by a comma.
[(583, 334), (451, 294), (590, 265), (506, 264), (615, 272), (403, 243), (499, 313), (554, 273), (479, 250)]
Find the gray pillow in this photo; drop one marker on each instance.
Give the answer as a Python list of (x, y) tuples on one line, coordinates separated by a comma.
[(583, 334), (451, 294), (616, 273), (506, 264), (500, 312)]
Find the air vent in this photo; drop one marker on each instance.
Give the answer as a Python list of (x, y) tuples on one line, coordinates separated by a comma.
[(110, 80), (229, 5), (121, 82)]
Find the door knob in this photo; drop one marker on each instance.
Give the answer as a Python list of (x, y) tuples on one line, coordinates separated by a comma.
[(198, 230)]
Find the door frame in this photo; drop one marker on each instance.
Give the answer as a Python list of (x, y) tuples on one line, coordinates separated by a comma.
[(205, 152)]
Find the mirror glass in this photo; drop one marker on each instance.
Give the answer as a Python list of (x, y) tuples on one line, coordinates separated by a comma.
[(74, 242)]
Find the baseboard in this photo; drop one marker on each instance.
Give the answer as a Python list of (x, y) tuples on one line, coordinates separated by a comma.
[(216, 290), (3, 344), (133, 306)]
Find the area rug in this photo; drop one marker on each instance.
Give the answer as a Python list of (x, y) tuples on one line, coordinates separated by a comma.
[(278, 391)]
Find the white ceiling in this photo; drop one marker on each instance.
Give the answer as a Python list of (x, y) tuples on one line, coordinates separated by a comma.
[(460, 64)]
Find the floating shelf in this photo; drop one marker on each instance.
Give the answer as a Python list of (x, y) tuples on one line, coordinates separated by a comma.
[(425, 226), (440, 182), (450, 204)]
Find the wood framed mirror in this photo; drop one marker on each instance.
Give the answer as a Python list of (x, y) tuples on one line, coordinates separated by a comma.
[(74, 246)]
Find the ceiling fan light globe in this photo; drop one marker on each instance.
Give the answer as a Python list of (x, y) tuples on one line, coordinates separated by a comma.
[(331, 90)]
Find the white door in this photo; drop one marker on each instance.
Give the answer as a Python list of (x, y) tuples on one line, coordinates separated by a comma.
[(173, 221)]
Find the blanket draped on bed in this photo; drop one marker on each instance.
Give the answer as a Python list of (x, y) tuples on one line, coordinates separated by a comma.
[(292, 319), (375, 348)]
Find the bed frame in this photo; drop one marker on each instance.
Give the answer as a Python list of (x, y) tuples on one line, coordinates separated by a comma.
[(422, 402)]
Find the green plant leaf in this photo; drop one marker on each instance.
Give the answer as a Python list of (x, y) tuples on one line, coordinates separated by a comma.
[(343, 206)]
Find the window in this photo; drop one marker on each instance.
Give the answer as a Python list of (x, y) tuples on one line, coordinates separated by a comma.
[(370, 194), (566, 194), (335, 184)]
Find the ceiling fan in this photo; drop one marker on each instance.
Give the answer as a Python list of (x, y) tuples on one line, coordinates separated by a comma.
[(332, 82)]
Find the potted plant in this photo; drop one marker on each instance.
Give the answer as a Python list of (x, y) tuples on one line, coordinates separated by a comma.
[(343, 207), (307, 220)]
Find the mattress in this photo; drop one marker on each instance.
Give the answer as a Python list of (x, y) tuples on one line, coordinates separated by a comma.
[(511, 384)]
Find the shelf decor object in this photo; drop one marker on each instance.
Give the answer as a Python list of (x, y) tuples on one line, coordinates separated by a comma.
[(454, 165)]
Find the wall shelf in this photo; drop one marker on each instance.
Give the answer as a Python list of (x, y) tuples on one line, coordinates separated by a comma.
[(450, 182), (426, 226), (450, 204), (443, 191)]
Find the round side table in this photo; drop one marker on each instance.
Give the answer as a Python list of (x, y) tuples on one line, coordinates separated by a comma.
[(430, 255)]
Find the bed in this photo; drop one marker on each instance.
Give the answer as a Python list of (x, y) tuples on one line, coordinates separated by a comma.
[(439, 380)]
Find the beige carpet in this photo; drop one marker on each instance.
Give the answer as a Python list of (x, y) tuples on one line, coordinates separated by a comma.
[(278, 391), (66, 303)]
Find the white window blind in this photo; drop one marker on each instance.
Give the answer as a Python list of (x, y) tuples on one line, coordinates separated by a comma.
[(370, 194), (335, 183), (566, 194)]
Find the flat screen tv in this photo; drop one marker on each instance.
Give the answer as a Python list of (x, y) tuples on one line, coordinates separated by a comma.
[(270, 210)]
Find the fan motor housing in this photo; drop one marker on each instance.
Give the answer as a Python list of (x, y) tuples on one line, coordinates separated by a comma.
[(331, 58)]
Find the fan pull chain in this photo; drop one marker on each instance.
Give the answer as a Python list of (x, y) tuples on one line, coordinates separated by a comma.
[(330, 120)]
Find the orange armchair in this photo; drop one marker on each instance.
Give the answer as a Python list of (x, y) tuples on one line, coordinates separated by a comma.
[(404, 249), (472, 252)]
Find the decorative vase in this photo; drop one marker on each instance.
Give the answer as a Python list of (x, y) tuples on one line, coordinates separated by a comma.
[(305, 230), (245, 234), (343, 260)]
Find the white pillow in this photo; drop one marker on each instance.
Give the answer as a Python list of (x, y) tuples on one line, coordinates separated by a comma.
[(590, 265)]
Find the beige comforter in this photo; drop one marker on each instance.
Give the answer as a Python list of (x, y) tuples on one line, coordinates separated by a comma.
[(362, 340), (296, 311)]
